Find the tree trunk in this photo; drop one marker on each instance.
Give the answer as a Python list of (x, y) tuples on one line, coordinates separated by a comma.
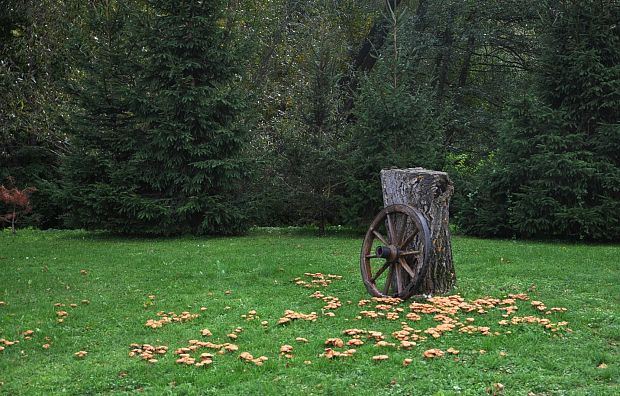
[(429, 192)]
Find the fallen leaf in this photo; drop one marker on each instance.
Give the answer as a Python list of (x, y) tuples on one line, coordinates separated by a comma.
[(602, 366), (380, 357)]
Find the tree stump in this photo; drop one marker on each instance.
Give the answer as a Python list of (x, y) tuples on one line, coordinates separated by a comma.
[(429, 192)]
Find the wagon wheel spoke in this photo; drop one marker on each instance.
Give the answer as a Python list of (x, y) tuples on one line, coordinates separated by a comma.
[(391, 229), (399, 281), (380, 237), (388, 280), (406, 266), (380, 271), (409, 239), (403, 232), (409, 252)]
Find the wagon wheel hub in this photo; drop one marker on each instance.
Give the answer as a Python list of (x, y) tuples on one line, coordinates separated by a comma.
[(390, 253)]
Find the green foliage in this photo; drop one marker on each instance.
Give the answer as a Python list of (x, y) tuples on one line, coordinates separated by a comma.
[(394, 128), (156, 133), (301, 144), (31, 65), (557, 170)]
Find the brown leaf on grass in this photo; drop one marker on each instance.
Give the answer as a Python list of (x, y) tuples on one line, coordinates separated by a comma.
[(452, 351), (83, 272), (80, 354), (602, 366), (301, 339), (286, 349), (407, 362), (206, 332), (378, 358)]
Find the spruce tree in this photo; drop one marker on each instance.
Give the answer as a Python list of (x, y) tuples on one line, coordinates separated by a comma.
[(189, 114), (558, 159), (156, 132), (100, 172)]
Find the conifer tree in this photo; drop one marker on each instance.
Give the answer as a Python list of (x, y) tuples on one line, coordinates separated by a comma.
[(558, 161), (164, 158)]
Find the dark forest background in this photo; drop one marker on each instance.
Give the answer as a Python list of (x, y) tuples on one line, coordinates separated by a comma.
[(164, 117)]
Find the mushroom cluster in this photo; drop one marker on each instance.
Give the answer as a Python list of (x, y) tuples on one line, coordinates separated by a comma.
[(147, 351), (292, 315)]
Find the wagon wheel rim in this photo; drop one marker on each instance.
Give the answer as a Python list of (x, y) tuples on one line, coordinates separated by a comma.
[(395, 251)]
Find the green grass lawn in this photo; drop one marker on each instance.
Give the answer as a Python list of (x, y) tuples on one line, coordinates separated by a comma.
[(41, 269)]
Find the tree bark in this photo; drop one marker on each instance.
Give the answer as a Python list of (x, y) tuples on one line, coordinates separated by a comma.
[(429, 192), (366, 56)]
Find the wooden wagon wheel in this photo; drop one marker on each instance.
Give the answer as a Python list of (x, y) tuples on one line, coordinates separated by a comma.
[(395, 252)]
